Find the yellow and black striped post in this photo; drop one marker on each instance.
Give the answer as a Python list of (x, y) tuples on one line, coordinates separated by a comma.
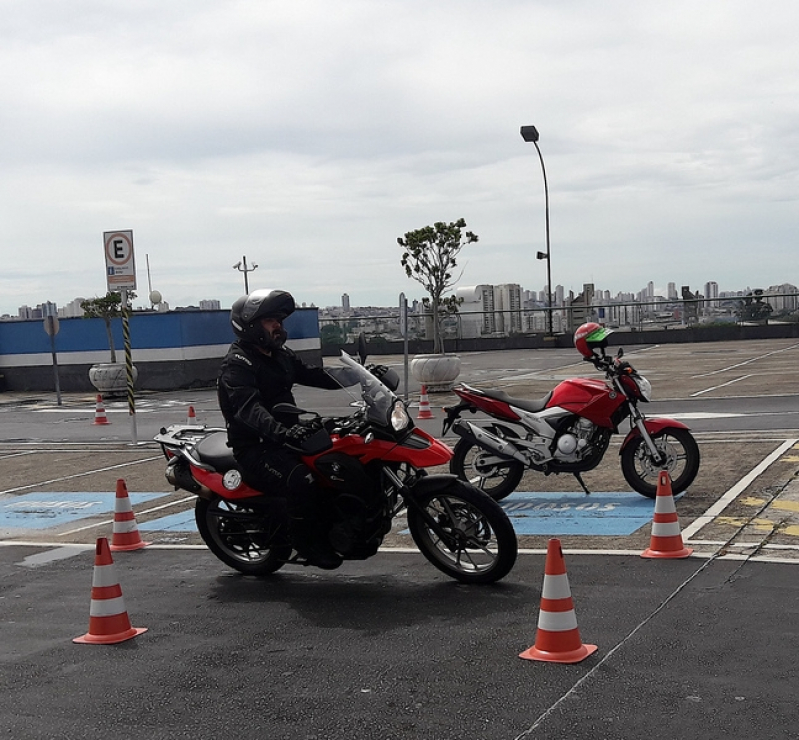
[(129, 365)]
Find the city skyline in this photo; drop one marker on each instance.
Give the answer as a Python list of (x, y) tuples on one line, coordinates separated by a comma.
[(670, 292)]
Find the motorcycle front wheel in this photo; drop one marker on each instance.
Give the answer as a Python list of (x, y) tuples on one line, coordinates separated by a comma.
[(681, 460), (468, 536), (240, 536), (484, 470)]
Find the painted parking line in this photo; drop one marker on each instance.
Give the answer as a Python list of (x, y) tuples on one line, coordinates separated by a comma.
[(600, 514), (182, 521), (39, 510)]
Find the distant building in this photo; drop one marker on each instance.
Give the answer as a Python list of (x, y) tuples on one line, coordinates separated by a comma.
[(508, 307), (345, 302), (477, 311), (72, 309), (210, 305)]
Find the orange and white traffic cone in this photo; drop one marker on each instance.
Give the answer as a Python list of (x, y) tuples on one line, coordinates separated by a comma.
[(425, 412), (666, 540), (99, 413), (126, 532), (192, 417), (558, 638), (108, 619)]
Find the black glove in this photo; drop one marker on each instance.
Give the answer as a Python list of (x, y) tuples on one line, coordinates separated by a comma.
[(297, 434), (378, 370), (385, 374)]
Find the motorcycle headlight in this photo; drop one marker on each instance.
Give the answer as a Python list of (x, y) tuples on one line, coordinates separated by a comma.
[(399, 417), (644, 387)]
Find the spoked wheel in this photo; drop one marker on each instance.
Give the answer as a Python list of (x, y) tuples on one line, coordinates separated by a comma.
[(241, 536), (495, 476), (680, 455), (468, 535)]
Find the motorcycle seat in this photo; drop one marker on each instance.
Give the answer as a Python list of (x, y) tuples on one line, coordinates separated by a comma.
[(533, 406), (213, 450)]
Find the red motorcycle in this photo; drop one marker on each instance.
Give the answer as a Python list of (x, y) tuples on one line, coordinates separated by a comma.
[(569, 429), (371, 463)]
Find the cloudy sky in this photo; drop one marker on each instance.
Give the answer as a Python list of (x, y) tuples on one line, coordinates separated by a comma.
[(307, 135)]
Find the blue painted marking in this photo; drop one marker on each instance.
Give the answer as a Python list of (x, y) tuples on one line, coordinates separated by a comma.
[(42, 510), (183, 521), (603, 514)]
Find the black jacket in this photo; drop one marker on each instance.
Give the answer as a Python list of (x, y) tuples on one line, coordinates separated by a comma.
[(251, 383)]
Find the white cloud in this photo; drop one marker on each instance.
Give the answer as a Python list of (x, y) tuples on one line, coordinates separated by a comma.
[(308, 136)]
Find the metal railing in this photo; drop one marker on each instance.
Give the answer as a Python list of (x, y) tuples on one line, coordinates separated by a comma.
[(632, 315)]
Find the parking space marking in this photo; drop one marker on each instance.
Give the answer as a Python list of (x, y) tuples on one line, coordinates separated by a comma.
[(51, 509), (575, 513), (731, 494), (78, 475)]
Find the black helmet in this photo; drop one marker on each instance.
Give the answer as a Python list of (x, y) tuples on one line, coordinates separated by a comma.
[(247, 312)]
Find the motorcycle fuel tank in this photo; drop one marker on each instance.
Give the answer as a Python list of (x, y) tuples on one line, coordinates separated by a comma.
[(591, 399)]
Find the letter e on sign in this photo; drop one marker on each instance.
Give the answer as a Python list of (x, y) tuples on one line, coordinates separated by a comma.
[(120, 265)]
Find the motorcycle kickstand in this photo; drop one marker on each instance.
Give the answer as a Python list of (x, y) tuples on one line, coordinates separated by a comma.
[(582, 483)]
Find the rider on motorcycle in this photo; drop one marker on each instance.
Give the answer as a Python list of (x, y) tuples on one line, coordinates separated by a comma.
[(257, 373)]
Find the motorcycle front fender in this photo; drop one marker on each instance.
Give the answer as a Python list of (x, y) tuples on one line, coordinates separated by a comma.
[(429, 483), (653, 425)]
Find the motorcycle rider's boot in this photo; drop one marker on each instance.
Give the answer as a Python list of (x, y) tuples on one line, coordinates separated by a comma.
[(313, 545)]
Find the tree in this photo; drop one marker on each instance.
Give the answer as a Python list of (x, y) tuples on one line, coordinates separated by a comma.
[(430, 256), (105, 308)]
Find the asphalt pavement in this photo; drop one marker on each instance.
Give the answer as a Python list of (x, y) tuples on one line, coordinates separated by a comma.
[(390, 648)]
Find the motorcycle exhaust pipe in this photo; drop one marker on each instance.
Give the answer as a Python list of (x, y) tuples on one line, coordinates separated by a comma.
[(178, 475), (488, 441)]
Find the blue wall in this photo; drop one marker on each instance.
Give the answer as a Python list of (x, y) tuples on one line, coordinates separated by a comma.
[(170, 350), (147, 331)]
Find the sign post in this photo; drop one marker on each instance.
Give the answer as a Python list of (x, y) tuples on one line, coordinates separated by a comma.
[(403, 322), (51, 329), (120, 271)]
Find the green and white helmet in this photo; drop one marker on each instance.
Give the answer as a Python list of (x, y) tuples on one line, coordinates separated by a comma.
[(591, 336)]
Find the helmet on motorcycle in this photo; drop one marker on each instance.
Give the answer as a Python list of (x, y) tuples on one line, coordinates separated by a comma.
[(247, 312), (589, 337)]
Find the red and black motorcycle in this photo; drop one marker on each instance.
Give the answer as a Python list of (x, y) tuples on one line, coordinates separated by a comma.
[(372, 464), (569, 430)]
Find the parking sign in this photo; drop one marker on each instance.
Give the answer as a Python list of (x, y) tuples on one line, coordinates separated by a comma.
[(120, 265)]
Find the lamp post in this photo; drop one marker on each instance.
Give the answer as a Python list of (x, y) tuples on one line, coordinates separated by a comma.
[(530, 134), (238, 266)]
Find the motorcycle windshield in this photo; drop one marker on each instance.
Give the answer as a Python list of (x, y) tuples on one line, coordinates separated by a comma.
[(379, 400)]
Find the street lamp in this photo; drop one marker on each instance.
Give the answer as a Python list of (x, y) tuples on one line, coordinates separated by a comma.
[(245, 270), (530, 133)]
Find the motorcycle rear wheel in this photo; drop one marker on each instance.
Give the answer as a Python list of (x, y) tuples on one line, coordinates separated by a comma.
[(240, 536), (476, 542), (682, 461), (477, 466)]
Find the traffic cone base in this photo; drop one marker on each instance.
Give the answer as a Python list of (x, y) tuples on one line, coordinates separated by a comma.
[(108, 619), (425, 411), (558, 637), (559, 656), (126, 535), (666, 538), (99, 413)]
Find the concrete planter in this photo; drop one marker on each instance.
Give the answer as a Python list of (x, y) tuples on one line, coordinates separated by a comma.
[(111, 379), (436, 372)]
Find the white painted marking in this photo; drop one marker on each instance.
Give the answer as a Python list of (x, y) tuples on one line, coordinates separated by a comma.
[(78, 475), (141, 513), (746, 362), (49, 556), (716, 387)]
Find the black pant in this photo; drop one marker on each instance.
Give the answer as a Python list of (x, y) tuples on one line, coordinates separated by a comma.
[(278, 473)]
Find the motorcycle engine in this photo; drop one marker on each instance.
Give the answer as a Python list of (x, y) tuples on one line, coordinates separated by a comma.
[(572, 444)]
